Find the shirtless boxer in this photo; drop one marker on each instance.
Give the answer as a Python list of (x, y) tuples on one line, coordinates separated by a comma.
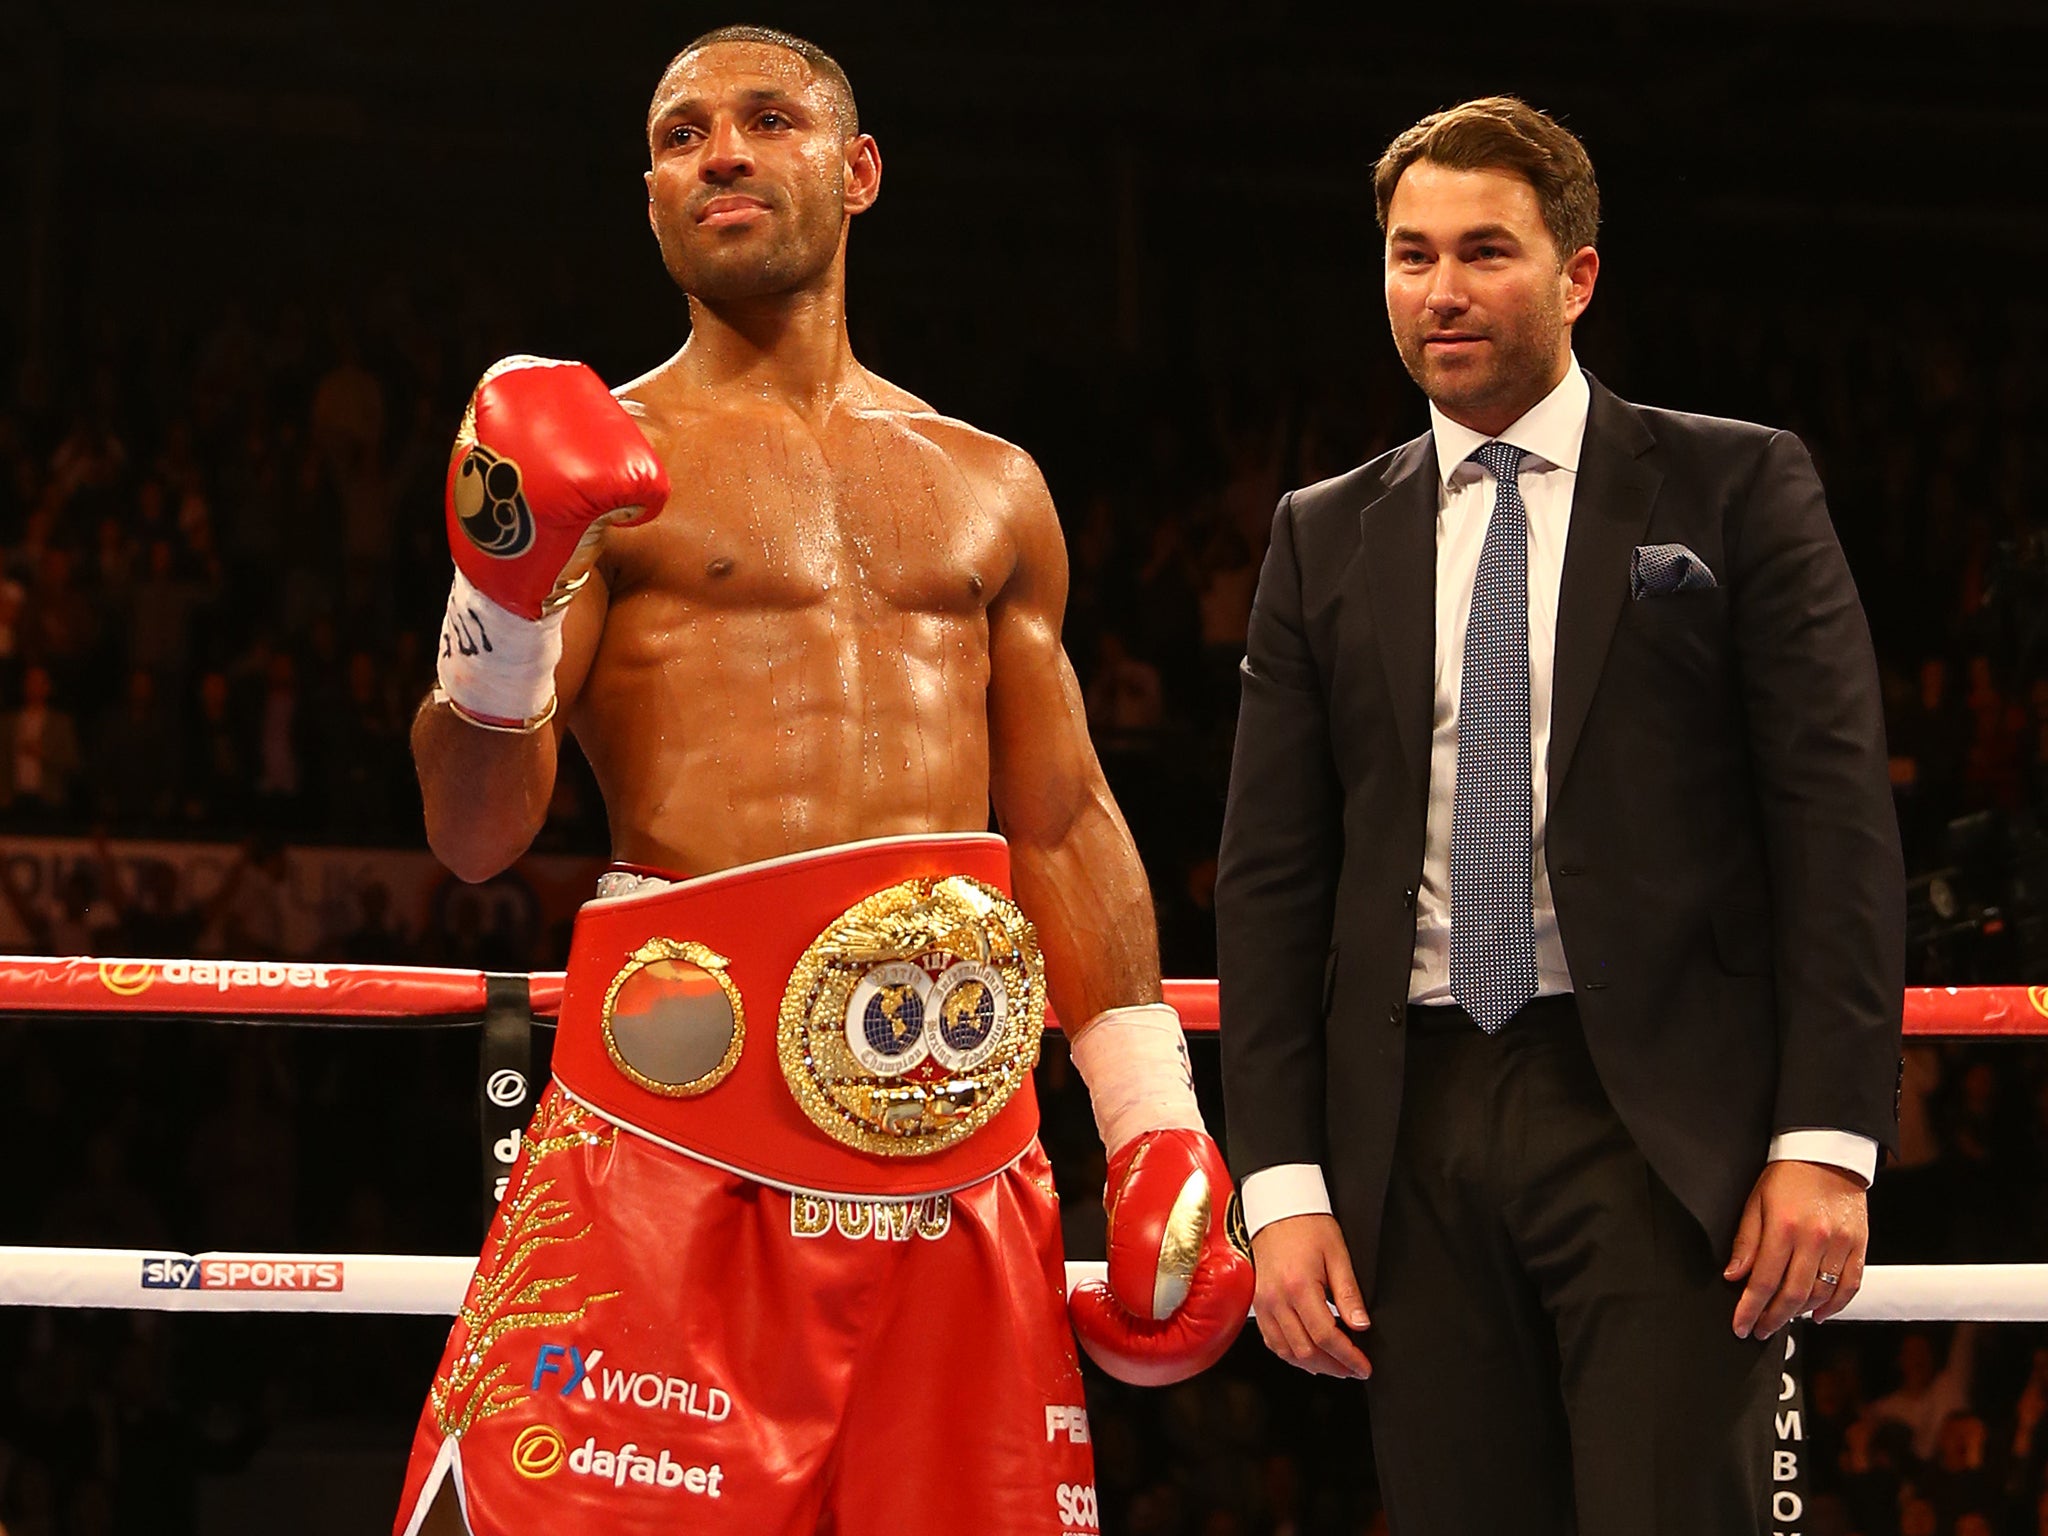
[(781, 1252)]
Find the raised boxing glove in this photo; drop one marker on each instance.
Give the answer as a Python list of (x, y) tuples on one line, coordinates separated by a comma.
[(1177, 1292), (545, 460)]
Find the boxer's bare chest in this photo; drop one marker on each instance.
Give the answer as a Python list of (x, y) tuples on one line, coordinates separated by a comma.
[(861, 515), (799, 640)]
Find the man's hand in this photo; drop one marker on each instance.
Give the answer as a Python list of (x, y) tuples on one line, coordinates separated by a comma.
[(1803, 1221), (1302, 1265)]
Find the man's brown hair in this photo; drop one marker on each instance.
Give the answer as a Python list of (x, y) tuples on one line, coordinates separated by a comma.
[(1504, 133)]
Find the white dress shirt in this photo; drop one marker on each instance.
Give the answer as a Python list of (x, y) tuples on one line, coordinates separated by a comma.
[(1550, 435)]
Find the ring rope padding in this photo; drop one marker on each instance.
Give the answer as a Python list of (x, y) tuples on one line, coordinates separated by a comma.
[(157, 1280), (305, 992)]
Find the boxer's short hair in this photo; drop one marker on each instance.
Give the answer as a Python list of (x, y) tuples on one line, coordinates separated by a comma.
[(1503, 133), (822, 64)]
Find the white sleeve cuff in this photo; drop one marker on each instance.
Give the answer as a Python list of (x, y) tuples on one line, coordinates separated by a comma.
[(1286, 1189), (1838, 1149)]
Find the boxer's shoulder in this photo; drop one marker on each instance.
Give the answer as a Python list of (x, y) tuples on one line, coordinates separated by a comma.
[(1001, 473), (656, 409)]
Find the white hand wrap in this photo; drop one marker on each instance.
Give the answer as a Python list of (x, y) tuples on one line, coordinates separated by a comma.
[(495, 667), (1135, 1063)]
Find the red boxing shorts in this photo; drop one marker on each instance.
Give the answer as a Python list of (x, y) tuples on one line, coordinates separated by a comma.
[(657, 1341)]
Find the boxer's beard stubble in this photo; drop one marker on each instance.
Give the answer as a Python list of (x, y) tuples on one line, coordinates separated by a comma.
[(712, 273)]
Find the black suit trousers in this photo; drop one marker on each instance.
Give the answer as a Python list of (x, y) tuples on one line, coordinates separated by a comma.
[(1551, 1337)]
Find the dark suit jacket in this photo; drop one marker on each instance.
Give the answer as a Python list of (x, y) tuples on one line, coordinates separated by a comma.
[(1722, 848)]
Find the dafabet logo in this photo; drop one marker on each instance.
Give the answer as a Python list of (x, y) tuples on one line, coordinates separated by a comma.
[(126, 978), (538, 1452)]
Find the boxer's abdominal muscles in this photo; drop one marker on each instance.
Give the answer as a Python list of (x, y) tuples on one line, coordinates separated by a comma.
[(722, 715), (790, 729)]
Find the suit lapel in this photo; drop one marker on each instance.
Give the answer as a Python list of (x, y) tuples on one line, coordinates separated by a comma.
[(1617, 486), (1397, 555)]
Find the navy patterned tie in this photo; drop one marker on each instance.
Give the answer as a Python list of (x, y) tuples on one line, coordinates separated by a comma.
[(1493, 928)]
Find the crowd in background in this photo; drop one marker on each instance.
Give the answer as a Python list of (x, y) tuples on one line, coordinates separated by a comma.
[(221, 570)]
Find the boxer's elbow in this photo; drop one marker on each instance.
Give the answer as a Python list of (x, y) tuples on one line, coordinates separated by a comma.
[(485, 794), (474, 850), (479, 828)]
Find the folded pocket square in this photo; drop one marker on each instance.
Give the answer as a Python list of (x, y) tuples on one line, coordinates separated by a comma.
[(1657, 570)]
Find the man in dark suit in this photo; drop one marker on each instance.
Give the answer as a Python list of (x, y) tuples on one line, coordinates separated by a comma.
[(1560, 902)]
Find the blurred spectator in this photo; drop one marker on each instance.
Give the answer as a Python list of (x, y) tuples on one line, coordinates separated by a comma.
[(348, 404), (88, 463), (368, 764), (1229, 576), (1991, 770), (2029, 1448), (377, 939), (251, 901), (135, 758), (279, 749), (1187, 922), (1927, 1396), (2036, 754), (59, 622), (160, 629), (1933, 737), (1165, 615), (13, 596), (1125, 700), (1959, 1482), (78, 920), (38, 753), (114, 572), (215, 776), (156, 921), (244, 1156)]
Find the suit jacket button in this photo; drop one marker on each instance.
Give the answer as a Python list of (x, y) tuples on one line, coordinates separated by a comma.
[(1408, 897), (1394, 1011)]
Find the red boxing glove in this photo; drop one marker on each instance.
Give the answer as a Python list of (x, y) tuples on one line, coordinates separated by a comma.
[(544, 457), (1178, 1292)]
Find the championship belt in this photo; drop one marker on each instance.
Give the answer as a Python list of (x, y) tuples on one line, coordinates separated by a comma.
[(861, 1020)]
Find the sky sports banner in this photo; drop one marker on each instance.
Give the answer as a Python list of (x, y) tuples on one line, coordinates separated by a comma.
[(161, 1280)]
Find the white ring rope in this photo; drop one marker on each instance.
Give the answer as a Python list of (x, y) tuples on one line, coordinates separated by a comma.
[(155, 1280)]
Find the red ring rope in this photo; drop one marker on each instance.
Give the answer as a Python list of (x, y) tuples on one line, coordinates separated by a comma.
[(304, 990)]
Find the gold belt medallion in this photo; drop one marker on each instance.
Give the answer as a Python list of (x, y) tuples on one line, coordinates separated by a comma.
[(912, 1019)]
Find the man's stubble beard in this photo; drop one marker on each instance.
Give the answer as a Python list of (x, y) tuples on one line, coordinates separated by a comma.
[(797, 259), (1523, 357)]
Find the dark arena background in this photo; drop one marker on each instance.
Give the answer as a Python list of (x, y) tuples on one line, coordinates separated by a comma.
[(252, 258)]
